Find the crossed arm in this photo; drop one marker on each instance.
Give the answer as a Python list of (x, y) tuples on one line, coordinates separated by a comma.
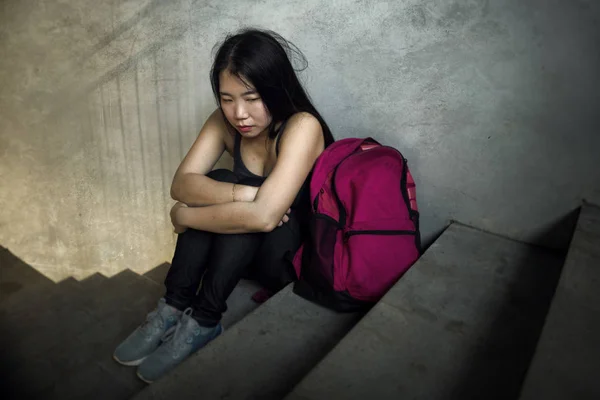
[(260, 211)]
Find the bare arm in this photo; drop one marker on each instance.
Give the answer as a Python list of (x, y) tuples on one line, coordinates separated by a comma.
[(300, 146), (190, 185)]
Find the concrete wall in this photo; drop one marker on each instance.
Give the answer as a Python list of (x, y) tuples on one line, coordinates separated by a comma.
[(494, 103)]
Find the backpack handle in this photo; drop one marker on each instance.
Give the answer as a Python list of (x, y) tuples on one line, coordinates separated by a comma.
[(368, 144)]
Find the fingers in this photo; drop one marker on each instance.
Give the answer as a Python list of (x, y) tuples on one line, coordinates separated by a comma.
[(285, 218)]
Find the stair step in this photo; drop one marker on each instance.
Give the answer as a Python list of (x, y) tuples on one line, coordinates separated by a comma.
[(115, 307), (15, 275), (462, 323), (239, 303), (69, 342), (133, 297), (159, 273), (93, 382), (567, 360), (26, 316), (261, 357)]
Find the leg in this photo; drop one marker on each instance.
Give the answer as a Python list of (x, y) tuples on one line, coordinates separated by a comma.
[(189, 262), (183, 279), (272, 265), (188, 265), (229, 259)]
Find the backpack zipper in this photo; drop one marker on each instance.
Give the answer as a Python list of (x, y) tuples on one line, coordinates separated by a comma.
[(341, 208), (378, 232)]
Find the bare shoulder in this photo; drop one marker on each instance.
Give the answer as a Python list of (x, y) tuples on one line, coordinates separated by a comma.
[(303, 129), (218, 123), (304, 121)]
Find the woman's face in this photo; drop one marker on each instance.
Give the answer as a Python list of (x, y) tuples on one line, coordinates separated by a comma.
[(243, 106)]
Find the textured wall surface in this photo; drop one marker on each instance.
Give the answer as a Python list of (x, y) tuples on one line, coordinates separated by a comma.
[(494, 103)]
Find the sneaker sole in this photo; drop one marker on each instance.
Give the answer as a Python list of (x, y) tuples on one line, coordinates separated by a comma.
[(133, 363), (142, 378)]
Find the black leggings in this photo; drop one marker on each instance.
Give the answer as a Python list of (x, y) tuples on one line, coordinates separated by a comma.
[(220, 261)]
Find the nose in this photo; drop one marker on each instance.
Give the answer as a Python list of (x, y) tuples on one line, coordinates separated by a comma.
[(240, 111)]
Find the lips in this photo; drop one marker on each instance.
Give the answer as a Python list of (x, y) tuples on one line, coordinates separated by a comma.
[(245, 128)]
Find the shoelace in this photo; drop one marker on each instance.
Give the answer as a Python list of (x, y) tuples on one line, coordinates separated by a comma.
[(154, 322), (174, 339)]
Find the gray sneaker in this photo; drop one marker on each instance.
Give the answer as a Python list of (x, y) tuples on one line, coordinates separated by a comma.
[(187, 338), (147, 337)]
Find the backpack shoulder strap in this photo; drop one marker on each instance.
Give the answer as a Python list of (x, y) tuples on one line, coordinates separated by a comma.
[(331, 157)]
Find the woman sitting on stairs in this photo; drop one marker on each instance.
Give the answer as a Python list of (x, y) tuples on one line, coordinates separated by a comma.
[(234, 223)]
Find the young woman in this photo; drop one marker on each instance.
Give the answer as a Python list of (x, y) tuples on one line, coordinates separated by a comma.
[(232, 223)]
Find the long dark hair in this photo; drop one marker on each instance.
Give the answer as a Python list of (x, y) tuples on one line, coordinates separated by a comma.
[(261, 58)]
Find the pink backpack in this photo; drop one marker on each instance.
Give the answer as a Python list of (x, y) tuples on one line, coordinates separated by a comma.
[(364, 227)]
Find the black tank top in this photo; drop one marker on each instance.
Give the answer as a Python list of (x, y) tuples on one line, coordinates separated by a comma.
[(246, 177)]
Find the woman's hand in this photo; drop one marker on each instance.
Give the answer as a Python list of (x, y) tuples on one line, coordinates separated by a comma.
[(285, 218), (177, 227)]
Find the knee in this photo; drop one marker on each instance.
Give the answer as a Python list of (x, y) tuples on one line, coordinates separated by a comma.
[(192, 236), (223, 175)]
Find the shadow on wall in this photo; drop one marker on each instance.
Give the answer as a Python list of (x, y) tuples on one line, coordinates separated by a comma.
[(98, 145)]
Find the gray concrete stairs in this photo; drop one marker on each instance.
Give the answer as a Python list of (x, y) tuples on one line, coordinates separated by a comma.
[(261, 357), (15, 275), (567, 360), (463, 323), (57, 339)]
